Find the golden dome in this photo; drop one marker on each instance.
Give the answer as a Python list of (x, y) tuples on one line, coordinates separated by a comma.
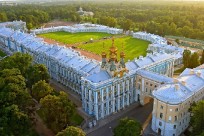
[(122, 55), (113, 49), (103, 55), (113, 57)]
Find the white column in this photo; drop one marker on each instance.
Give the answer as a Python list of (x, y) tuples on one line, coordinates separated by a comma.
[(118, 91), (90, 102), (142, 92), (102, 103), (142, 87), (172, 68), (113, 100), (84, 100), (96, 104), (128, 98), (107, 100), (131, 90), (123, 99)]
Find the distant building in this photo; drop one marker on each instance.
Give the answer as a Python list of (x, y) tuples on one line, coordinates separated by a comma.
[(84, 13), (15, 25), (80, 28), (8, 3)]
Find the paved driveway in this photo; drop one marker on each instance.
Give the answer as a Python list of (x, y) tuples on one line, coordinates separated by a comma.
[(139, 113)]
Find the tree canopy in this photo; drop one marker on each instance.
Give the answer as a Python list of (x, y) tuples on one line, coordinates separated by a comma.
[(194, 60), (186, 58), (128, 127), (41, 89), (71, 131), (190, 60), (202, 58), (197, 120), (18, 60), (15, 102), (52, 104), (36, 73), (162, 18)]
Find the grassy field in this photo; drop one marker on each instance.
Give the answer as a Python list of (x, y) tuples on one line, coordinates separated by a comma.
[(132, 47), (2, 54), (71, 38)]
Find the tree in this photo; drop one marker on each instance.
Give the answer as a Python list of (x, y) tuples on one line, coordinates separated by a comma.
[(128, 127), (71, 131), (29, 26), (194, 61), (3, 17), (14, 122), (112, 22), (186, 58), (177, 41), (18, 60), (202, 58), (13, 89), (202, 134), (197, 120), (51, 104), (15, 103), (126, 25), (36, 73), (41, 89)]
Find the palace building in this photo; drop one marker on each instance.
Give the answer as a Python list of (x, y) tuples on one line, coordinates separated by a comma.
[(81, 12), (112, 85), (115, 86), (171, 116)]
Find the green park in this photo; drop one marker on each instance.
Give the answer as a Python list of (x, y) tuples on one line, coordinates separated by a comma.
[(131, 46), (72, 38)]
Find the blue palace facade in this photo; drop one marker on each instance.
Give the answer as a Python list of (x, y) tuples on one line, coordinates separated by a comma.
[(105, 87)]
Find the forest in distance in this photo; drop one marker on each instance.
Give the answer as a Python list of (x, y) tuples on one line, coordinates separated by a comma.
[(184, 19)]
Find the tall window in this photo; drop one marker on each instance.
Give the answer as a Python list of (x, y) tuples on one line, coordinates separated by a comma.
[(161, 115), (160, 123), (175, 118)]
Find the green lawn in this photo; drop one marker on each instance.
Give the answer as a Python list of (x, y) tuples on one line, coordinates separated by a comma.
[(76, 119), (132, 47), (179, 71), (70, 38), (2, 54)]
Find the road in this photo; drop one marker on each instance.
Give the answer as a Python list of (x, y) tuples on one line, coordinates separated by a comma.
[(139, 113)]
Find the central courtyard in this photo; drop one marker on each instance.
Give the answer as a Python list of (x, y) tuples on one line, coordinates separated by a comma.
[(93, 42)]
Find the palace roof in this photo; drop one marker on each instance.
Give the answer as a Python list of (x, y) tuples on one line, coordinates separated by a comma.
[(135, 65), (142, 62), (66, 56), (6, 32), (99, 77), (154, 76), (168, 47), (189, 82)]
